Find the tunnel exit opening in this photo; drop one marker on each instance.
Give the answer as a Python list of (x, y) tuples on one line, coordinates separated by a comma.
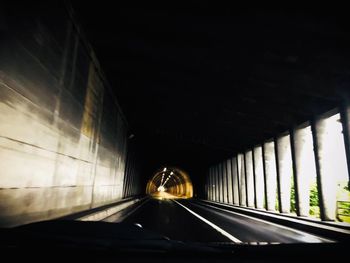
[(170, 183)]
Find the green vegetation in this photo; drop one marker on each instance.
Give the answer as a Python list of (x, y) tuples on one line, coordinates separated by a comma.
[(343, 202), (343, 211), (314, 203), (292, 197), (277, 207)]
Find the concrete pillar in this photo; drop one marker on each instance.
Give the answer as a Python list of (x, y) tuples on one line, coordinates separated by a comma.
[(249, 178), (303, 166), (212, 183), (206, 184), (220, 182), (270, 175), (217, 184), (206, 187), (209, 184), (211, 196), (285, 171), (345, 120), (327, 158), (223, 189), (224, 177), (210, 188), (241, 180), (259, 177), (229, 182), (222, 173), (235, 180)]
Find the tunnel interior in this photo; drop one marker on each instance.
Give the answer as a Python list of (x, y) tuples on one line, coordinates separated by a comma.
[(213, 82), (170, 183), (92, 107)]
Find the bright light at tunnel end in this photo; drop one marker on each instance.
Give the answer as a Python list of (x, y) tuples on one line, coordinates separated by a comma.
[(161, 189), (170, 183)]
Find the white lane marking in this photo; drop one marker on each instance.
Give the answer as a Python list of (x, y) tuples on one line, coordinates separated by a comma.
[(307, 237), (220, 230)]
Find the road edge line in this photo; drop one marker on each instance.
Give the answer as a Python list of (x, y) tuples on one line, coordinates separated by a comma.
[(217, 228), (326, 240)]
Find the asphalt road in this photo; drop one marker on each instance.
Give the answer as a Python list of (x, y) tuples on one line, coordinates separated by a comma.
[(187, 220)]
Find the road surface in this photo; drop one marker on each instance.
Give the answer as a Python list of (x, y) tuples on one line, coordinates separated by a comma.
[(189, 220)]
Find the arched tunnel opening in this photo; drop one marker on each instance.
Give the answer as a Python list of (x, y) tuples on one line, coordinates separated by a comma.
[(170, 183)]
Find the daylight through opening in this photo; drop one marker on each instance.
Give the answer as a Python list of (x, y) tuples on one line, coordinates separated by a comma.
[(170, 182)]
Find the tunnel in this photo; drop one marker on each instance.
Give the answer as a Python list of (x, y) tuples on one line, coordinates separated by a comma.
[(170, 183), (203, 124)]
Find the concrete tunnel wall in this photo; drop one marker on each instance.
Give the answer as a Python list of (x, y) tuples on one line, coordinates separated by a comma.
[(63, 138)]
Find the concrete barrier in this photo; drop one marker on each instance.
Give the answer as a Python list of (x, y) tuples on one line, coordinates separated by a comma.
[(100, 215), (329, 230)]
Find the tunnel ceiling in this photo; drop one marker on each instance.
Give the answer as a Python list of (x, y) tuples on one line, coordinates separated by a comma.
[(201, 82)]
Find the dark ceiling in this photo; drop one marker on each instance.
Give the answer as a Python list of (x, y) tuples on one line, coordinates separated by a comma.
[(202, 82)]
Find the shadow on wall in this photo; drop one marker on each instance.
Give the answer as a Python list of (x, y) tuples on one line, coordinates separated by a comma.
[(170, 182)]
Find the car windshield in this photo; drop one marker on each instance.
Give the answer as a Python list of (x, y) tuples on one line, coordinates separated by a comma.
[(174, 128)]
